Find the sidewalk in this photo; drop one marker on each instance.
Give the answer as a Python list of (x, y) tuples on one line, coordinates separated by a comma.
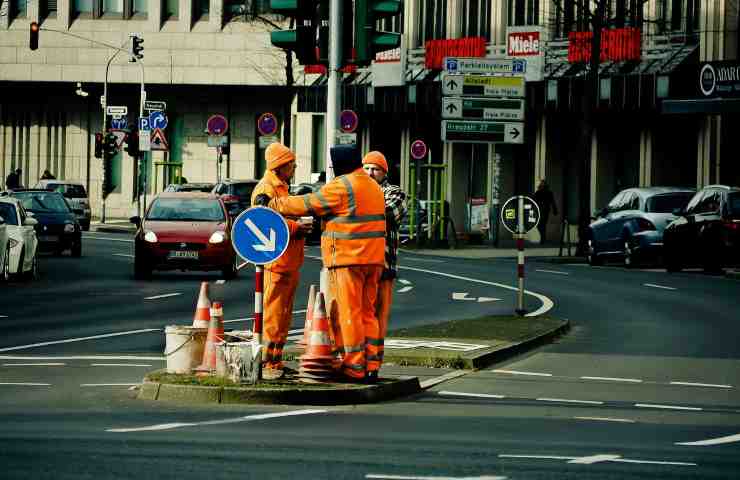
[(113, 225)]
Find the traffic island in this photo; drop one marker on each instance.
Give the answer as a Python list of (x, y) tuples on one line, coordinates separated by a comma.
[(160, 385)]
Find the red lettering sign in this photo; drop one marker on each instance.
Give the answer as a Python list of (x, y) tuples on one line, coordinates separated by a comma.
[(617, 45), (437, 50), (523, 44)]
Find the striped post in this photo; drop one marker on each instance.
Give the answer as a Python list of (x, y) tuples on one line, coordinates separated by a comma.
[(258, 304), (520, 257)]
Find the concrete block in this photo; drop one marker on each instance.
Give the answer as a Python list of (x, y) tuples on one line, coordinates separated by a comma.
[(213, 58), (62, 56), (15, 38), (199, 41), (93, 56), (200, 76), (185, 59), (230, 76), (78, 73), (10, 55), (157, 58), (226, 42), (158, 75), (15, 72)]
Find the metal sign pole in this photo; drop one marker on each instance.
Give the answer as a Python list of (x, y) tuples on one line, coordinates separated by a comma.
[(257, 328), (520, 256)]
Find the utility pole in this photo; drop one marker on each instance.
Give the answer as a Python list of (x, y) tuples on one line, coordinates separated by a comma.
[(334, 91)]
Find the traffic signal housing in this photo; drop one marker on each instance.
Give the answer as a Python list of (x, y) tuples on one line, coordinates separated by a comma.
[(110, 147), (346, 38), (302, 39), (98, 145), (369, 40), (34, 38), (132, 143), (108, 186), (136, 47)]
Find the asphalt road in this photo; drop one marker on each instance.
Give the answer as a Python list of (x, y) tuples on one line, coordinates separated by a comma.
[(649, 367)]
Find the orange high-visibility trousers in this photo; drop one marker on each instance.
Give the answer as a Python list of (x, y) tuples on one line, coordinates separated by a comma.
[(354, 290), (278, 299), (383, 311)]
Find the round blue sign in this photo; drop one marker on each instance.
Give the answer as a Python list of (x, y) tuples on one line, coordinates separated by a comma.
[(348, 121), (260, 235), (217, 125), (267, 124)]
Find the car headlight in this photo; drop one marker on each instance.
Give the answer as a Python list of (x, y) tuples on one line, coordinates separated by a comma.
[(217, 237), (13, 242), (150, 237), (69, 227)]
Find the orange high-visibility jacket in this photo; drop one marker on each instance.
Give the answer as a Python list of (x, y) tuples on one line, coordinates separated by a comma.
[(292, 259), (353, 211)]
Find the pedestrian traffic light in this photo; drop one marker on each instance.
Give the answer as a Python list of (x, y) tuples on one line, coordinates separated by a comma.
[(98, 145), (369, 40), (34, 40), (136, 47), (346, 37), (302, 39), (110, 147), (108, 186), (132, 143)]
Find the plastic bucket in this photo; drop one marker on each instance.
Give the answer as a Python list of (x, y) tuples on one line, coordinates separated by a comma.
[(184, 348)]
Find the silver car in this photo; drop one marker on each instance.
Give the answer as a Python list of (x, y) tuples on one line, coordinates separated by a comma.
[(76, 196), (631, 226)]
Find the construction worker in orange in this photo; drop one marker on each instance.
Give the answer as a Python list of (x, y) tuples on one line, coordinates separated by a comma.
[(281, 276), (376, 165), (352, 249)]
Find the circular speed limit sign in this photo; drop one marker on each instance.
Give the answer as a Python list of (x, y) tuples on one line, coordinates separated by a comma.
[(520, 214)]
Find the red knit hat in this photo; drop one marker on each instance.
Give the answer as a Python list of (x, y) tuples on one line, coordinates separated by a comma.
[(278, 155), (377, 158)]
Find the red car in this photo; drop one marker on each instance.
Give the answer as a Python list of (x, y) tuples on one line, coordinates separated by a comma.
[(184, 231)]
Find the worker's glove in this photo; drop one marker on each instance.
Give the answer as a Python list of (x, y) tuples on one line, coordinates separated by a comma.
[(262, 199)]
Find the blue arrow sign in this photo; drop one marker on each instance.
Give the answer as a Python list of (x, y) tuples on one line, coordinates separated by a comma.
[(260, 235), (157, 120)]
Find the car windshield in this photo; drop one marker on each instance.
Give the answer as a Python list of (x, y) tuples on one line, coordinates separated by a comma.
[(194, 188), (668, 202), (244, 189), (7, 211), (68, 190), (188, 209), (733, 204), (42, 202)]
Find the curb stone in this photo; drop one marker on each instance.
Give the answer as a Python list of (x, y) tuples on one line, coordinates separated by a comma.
[(733, 274)]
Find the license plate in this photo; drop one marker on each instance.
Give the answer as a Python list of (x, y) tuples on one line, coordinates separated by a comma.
[(184, 254), (48, 238)]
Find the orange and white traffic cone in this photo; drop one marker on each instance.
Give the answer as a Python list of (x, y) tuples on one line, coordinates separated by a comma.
[(316, 363), (303, 342), (215, 335), (202, 310)]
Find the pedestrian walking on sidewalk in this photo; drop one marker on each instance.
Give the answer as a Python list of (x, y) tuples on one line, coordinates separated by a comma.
[(545, 201), (13, 180), (375, 164), (281, 276)]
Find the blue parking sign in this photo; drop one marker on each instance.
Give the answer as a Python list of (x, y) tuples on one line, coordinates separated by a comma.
[(260, 235), (144, 124)]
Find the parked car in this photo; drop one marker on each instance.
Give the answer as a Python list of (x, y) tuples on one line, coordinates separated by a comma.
[(184, 231), (57, 229), (76, 196), (631, 226), (190, 187), (314, 238), (236, 194), (707, 232), (22, 255)]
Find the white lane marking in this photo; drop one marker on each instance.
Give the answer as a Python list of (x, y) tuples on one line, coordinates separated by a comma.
[(597, 458), (89, 237), (667, 407), (567, 400), (537, 457), (220, 282), (72, 340), (659, 286), (462, 296), (591, 459), (119, 365), (414, 477), (487, 299), (109, 384), (517, 372), (466, 394), (166, 295), (606, 419), (442, 378), (614, 379), (708, 385), (55, 364), (713, 441), (3, 316), (654, 462), (81, 357), (19, 384), (551, 271), (405, 289), (247, 418), (404, 281), (128, 255)]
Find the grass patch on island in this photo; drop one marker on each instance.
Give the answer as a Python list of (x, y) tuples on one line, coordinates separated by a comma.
[(510, 328), (214, 381)]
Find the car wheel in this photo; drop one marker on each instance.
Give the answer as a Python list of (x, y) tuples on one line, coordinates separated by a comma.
[(33, 274), (6, 265), (231, 272), (628, 254), (77, 249), (592, 256)]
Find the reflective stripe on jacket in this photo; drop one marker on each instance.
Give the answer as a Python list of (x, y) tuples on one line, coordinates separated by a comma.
[(292, 259), (353, 211)]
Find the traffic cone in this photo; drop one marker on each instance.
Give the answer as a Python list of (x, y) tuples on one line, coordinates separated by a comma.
[(316, 363), (202, 314), (215, 335), (303, 342)]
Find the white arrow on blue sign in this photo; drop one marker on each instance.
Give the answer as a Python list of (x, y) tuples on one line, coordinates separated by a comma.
[(157, 120), (260, 235)]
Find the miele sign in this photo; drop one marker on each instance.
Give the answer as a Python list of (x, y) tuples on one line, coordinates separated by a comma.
[(523, 44), (527, 43)]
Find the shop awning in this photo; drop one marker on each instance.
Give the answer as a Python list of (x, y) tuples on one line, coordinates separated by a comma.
[(702, 106)]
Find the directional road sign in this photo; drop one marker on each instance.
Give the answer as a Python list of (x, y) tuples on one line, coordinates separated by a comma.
[(144, 124), (510, 214), (483, 108), (260, 235), (157, 120), (155, 105), (119, 123), (482, 85), (113, 110), (506, 66), (468, 131)]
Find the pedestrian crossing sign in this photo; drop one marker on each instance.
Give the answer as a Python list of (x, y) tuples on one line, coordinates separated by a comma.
[(158, 140)]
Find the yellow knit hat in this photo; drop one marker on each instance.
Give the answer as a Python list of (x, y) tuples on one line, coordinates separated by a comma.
[(377, 158), (278, 155)]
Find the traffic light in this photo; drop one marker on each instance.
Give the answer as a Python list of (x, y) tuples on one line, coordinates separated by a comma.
[(108, 186), (132, 143), (346, 38), (110, 147), (302, 39), (98, 145), (136, 47), (369, 40), (34, 39)]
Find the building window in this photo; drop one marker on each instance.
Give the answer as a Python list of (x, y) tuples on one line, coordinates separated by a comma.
[(200, 9), (477, 21), (113, 8), (172, 9), (527, 12), (19, 8), (49, 9), (432, 20), (83, 8)]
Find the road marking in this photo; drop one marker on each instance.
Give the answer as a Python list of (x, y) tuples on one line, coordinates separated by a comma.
[(405, 289), (654, 462), (404, 281), (33, 364), (109, 384), (462, 296), (537, 457), (487, 299), (80, 339), (406, 477), (614, 379), (123, 255), (606, 419), (81, 357), (89, 237), (551, 271), (3, 316), (667, 407), (248, 418), (220, 282), (166, 295), (713, 441), (442, 378), (517, 372), (26, 384), (566, 400), (119, 365), (708, 385), (474, 395), (591, 459), (659, 286)]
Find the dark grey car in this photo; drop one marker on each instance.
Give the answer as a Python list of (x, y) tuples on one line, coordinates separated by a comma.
[(631, 226)]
